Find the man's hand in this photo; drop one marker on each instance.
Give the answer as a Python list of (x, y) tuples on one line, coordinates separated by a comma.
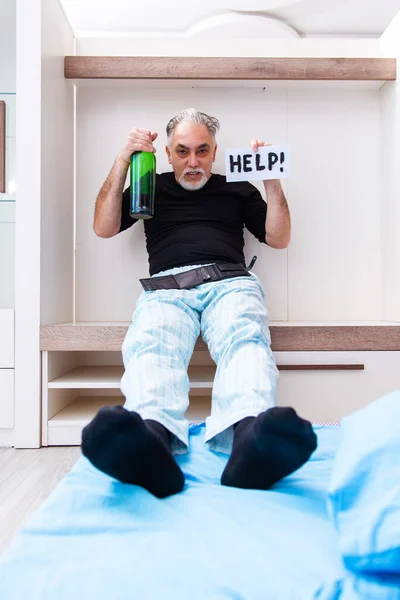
[(107, 215), (256, 144), (138, 140)]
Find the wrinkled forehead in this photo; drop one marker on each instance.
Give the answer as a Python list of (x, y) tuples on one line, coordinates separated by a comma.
[(191, 136)]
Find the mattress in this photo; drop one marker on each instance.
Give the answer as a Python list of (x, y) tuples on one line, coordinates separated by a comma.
[(96, 538)]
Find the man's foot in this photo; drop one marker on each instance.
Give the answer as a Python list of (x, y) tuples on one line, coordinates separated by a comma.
[(120, 443), (267, 448)]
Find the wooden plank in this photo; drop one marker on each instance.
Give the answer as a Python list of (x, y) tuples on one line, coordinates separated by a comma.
[(2, 147), (162, 67), (78, 337), (87, 337), (335, 337)]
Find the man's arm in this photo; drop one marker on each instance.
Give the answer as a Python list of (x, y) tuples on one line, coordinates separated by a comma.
[(107, 213), (277, 223)]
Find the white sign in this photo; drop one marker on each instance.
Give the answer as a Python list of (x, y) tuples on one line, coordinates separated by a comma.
[(269, 162)]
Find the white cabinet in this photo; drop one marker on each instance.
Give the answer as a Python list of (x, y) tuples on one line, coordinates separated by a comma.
[(7, 221), (6, 339), (76, 384), (6, 369), (321, 386), (325, 395), (6, 398)]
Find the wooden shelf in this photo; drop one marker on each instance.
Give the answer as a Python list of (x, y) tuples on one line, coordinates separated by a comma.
[(223, 68), (66, 426), (285, 336), (106, 377), (90, 378), (201, 376), (82, 410)]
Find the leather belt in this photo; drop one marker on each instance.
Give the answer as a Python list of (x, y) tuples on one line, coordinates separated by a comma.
[(194, 277)]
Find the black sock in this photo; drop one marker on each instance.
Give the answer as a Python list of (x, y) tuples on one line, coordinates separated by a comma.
[(267, 448), (120, 443)]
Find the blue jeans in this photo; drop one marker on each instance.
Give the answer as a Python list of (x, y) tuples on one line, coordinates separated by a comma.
[(233, 320)]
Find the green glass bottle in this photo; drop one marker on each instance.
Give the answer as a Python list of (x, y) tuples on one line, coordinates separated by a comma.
[(143, 185)]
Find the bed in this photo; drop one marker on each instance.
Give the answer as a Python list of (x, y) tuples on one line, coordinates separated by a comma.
[(96, 538)]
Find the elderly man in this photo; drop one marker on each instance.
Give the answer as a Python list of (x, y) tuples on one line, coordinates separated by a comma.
[(196, 235)]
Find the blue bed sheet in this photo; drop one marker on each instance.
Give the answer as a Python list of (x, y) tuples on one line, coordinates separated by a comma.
[(96, 538)]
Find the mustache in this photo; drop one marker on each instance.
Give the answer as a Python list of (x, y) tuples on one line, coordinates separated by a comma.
[(199, 170)]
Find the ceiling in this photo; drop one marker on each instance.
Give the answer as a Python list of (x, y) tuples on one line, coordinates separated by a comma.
[(250, 18)]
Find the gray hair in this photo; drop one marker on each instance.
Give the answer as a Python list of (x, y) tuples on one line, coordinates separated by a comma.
[(192, 115)]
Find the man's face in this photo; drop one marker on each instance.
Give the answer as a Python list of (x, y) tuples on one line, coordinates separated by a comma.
[(191, 155)]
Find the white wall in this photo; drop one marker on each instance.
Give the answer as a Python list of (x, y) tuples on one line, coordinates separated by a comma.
[(334, 193), (212, 46), (57, 169), (390, 115), (332, 270)]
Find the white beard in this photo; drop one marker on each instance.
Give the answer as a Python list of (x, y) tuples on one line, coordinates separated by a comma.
[(193, 185)]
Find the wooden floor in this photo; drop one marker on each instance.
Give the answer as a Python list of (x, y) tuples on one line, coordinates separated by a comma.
[(26, 478)]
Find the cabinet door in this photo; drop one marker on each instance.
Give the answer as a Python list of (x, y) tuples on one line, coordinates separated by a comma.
[(321, 394), (6, 338), (6, 398)]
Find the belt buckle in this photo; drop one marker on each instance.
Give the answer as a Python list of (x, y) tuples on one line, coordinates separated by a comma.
[(204, 274)]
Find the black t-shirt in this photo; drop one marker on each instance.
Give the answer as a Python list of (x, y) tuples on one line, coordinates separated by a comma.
[(199, 226)]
